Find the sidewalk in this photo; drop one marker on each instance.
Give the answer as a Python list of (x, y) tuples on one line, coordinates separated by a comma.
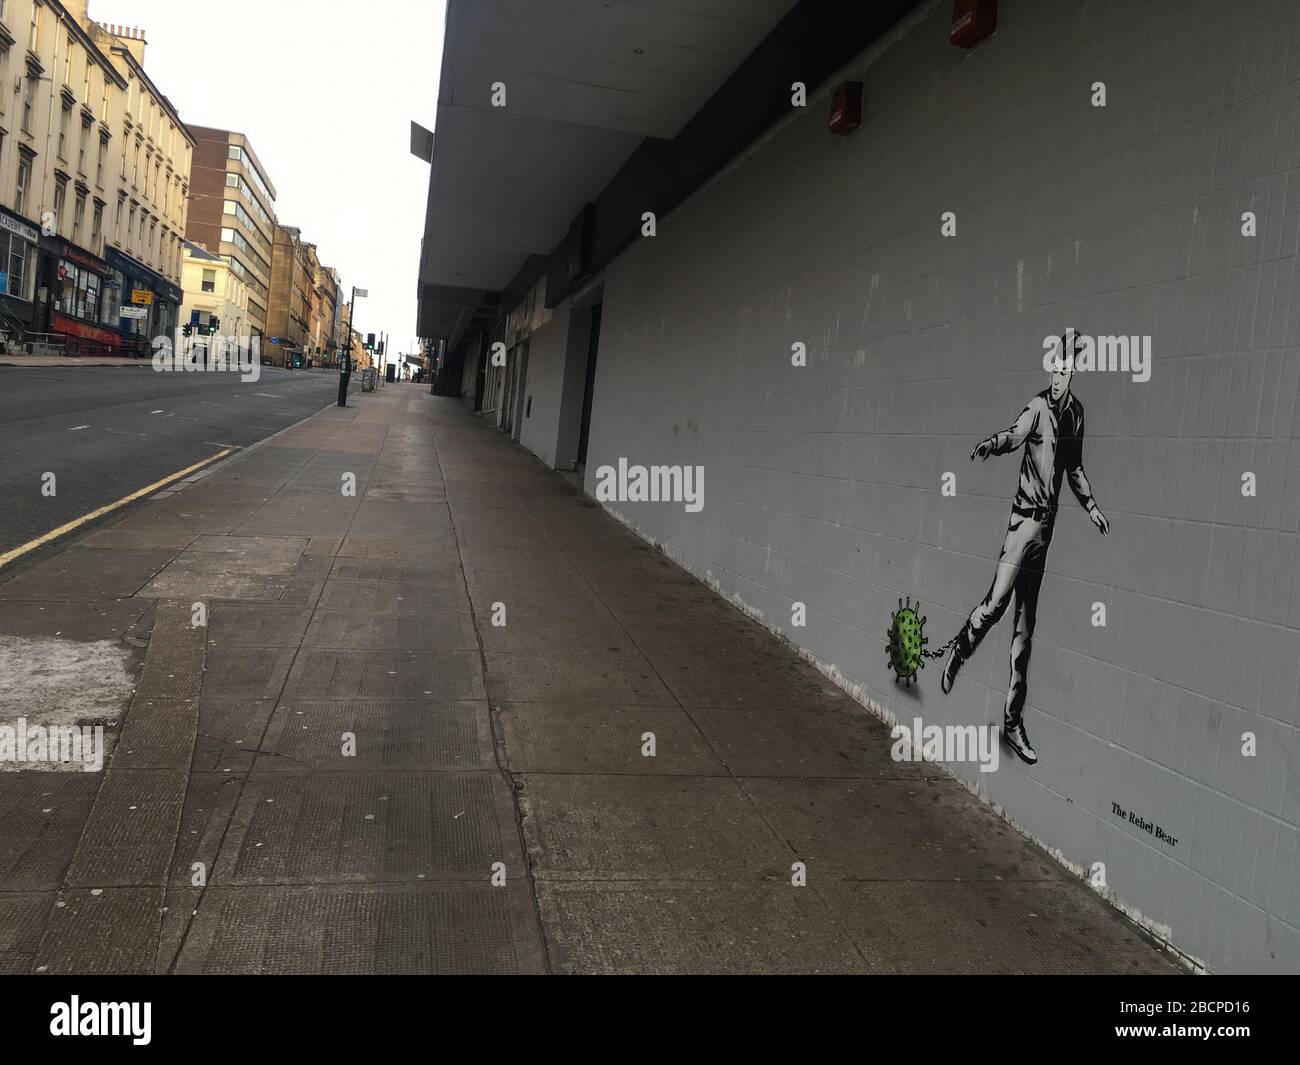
[(332, 773), (14, 359)]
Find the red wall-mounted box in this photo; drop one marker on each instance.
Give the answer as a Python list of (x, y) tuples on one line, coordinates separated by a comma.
[(972, 21), (846, 111)]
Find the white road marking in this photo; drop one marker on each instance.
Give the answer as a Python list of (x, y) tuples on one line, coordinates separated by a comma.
[(158, 411), (76, 427)]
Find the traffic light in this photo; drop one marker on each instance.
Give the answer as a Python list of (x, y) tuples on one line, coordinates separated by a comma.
[(187, 329), (213, 322), (381, 347), (370, 341)]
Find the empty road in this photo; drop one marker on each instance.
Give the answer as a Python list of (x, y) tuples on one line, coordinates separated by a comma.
[(105, 432)]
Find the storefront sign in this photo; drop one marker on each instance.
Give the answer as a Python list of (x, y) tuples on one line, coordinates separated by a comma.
[(142, 297), (20, 228), (133, 312)]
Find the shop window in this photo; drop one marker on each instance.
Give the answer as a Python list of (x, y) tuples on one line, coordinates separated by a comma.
[(15, 257), (78, 293)]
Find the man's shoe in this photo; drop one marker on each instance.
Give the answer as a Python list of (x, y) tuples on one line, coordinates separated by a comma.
[(1017, 739), (950, 667)]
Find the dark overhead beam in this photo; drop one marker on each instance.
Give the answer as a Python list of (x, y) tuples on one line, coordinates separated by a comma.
[(816, 39)]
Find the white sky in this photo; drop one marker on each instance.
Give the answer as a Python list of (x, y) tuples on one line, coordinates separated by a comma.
[(326, 91)]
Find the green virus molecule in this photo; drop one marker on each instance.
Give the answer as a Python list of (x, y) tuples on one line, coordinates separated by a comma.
[(907, 641)]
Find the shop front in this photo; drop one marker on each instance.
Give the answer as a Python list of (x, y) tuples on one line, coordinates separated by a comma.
[(73, 289), (18, 258), (144, 303)]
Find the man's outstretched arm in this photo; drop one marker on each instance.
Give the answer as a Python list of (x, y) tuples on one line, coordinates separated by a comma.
[(1009, 439)]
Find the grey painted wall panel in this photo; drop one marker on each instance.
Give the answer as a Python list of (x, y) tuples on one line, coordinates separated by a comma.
[(822, 483)]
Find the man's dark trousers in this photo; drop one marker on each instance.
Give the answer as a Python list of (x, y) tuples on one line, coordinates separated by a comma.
[(1019, 576)]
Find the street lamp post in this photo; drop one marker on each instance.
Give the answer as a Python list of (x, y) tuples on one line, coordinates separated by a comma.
[(345, 366)]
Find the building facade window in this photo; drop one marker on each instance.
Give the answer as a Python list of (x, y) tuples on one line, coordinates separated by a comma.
[(29, 101), (60, 198), (209, 281), (78, 292), (99, 162), (78, 215), (64, 116), (24, 179), (96, 227), (16, 257)]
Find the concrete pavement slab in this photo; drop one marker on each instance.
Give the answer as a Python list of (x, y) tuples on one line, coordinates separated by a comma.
[(420, 549), (407, 631), (85, 574), (921, 829), (410, 734), (614, 677), (691, 928), (77, 619), (129, 837), (369, 827), (841, 742), (445, 676), (41, 817), (443, 596), (22, 922), (560, 738), (418, 930), (109, 931), (157, 734), (246, 673), (290, 515), (232, 623), (619, 827), (1005, 928), (229, 733)]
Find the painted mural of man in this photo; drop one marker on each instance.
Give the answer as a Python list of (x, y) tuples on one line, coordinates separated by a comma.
[(1050, 429)]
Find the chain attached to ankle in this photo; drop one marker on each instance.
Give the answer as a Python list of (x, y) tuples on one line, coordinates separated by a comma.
[(942, 650)]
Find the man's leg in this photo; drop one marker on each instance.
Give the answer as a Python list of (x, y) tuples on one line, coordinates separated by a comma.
[(993, 605), (1028, 583)]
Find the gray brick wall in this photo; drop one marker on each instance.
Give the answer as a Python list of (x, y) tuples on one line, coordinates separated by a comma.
[(822, 483)]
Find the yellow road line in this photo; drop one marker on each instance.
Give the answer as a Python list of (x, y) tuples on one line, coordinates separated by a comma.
[(62, 530)]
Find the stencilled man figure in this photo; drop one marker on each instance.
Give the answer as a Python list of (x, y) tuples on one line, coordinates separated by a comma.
[(1050, 429)]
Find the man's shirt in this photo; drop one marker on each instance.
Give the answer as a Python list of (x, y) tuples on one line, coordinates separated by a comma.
[(1052, 435)]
